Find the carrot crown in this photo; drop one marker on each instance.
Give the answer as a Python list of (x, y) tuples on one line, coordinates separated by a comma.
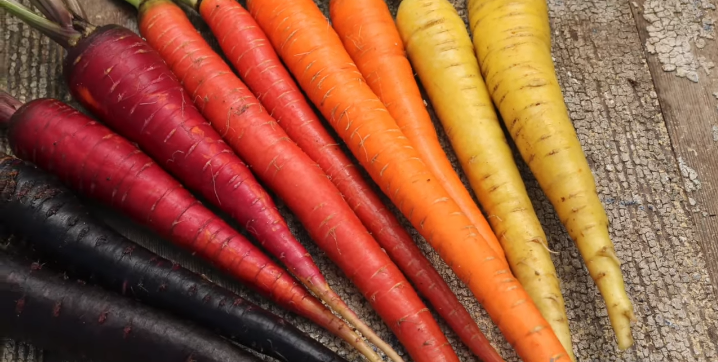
[(64, 20)]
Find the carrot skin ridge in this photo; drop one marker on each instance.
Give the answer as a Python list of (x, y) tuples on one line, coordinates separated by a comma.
[(52, 312), (371, 39), (315, 55), (257, 138), (58, 226), (54, 136), (252, 55)]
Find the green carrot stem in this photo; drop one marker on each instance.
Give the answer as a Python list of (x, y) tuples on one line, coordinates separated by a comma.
[(67, 37), (55, 11)]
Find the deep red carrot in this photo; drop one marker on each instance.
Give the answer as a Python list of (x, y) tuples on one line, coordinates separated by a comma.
[(256, 137), (123, 81), (250, 52), (315, 55), (100, 164)]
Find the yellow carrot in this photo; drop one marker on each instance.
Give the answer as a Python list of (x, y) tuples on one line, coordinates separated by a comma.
[(513, 46), (442, 55)]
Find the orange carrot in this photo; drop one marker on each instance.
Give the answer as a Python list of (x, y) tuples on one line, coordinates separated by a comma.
[(370, 37), (315, 55)]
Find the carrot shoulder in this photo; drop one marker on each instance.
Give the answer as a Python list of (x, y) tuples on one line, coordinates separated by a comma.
[(315, 55), (442, 54), (373, 42), (256, 137), (513, 46)]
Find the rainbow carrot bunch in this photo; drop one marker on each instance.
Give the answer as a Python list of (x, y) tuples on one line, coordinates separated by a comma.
[(120, 78), (315, 55), (255, 135), (252, 55)]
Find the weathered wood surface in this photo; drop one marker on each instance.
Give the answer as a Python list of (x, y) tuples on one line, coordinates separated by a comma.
[(616, 110), (682, 57)]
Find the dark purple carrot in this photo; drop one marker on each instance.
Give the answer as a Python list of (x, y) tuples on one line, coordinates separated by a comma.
[(57, 313), (100, 164), (37, 206), (127, 85)]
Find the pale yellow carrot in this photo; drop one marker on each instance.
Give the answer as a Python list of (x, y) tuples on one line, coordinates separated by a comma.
[(512, 43)]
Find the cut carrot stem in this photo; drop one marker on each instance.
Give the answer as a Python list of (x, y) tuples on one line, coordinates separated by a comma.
[(370, 37), (316, 56)]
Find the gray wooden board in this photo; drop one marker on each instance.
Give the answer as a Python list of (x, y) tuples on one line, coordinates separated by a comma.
[(690, 108), (611, 96)]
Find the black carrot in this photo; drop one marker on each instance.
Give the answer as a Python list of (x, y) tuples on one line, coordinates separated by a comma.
[(56, 313)]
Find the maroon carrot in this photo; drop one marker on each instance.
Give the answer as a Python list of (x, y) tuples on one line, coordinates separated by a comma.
[(252, 55), (124, 177), (256, 137), (123, 81)]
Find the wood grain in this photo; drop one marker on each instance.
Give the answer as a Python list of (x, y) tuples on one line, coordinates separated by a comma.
[(617, 112), (690, 110)]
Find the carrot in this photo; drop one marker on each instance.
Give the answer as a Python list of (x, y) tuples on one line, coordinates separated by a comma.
[(251, 54), (45, 308), (513, 44), (142, 100), (99, 164), (256, 137), (370, 37), (440, 49), (36, 206), (315, 55)]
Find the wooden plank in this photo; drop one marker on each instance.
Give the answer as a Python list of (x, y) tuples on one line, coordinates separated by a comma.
[(689, 102), (613, 103)]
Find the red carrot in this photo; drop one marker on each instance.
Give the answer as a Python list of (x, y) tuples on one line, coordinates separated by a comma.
[(102, 165), (252, 55), (254, 134), (316, 56), (120, 78)]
